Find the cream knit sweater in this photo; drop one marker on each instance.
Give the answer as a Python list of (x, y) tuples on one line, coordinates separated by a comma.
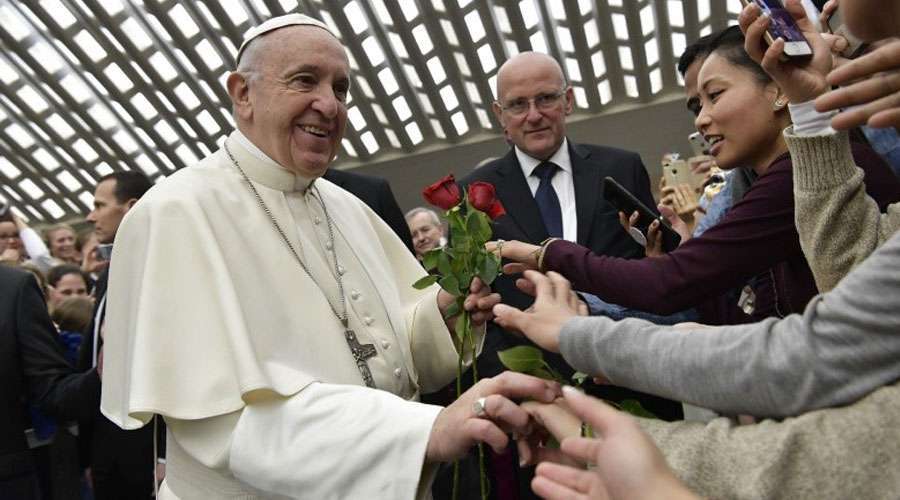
[(839, 224)]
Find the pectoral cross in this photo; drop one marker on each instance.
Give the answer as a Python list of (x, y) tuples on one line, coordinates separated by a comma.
[(361, 352)]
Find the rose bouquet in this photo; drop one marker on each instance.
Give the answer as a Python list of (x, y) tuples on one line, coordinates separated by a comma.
[(455, 265)]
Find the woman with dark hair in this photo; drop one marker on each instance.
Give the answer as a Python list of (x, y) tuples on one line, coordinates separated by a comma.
[(65, 281), (742, 112)]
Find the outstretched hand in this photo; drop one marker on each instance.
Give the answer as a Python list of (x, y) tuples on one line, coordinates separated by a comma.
[(521, 255), (554, 304), (626, 464), (458, 427)]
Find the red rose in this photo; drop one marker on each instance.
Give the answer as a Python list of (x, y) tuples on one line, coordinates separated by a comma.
[(443, 193), (483, 197)]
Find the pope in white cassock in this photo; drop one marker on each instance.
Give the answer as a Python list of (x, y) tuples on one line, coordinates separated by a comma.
[(268, 315)]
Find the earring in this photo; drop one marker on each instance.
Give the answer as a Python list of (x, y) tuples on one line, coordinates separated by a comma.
[(780, 103)]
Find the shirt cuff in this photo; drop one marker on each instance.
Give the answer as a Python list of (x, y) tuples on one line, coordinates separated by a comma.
[(808, 121)]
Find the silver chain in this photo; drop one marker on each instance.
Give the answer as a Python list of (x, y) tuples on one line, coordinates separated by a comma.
[(342, 315)]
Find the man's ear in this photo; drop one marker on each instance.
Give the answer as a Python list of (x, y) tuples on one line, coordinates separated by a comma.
[(570, 100), (498, 112), (130, 204), (239, 91)]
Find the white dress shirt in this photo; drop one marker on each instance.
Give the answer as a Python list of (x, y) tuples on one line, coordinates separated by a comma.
[(563, 183)]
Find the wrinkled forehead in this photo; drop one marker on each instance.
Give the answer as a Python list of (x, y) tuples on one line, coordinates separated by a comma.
[(527, 73), (296, 46)]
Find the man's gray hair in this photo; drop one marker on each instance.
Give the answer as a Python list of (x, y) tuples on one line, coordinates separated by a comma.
[(422, 210)]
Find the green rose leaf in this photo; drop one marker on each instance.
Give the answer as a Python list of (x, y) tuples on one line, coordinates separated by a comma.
[(479, 226), (425, 282), (450, 284), (488, 269), (443, 264), (462, 243), (523, 359), (430, 259), (544, 374), (634, 407)]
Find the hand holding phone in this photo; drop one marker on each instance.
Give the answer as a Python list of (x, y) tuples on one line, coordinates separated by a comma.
[(800, 79), (627, 203), (699, 145), (782, 25)]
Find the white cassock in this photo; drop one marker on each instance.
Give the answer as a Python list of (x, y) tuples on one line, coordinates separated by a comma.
[(213, 324)]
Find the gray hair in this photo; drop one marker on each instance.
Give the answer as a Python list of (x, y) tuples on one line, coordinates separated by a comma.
[(422, 210)]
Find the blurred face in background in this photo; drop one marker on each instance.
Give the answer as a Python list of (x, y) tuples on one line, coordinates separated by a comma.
[(690, 86), (62, 245), (108, 212), (9, 237), (426, 232), (69, 285)]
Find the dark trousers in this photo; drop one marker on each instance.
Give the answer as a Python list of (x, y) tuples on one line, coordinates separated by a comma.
[(18, 478), (122, 462)]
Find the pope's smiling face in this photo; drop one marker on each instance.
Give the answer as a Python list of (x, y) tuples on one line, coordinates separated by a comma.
[(293, 102)]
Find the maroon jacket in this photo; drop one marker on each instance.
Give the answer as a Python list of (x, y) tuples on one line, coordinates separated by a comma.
[(755, 244)]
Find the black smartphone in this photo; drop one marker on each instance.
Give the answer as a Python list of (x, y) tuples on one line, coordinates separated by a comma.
[(628, 203), (782, 25)]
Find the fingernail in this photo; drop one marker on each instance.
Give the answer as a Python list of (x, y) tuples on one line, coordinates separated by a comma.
[(522, 462)]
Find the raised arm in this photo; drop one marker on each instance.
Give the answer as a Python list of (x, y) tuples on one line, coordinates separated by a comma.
[(843, 347), (839, 224)]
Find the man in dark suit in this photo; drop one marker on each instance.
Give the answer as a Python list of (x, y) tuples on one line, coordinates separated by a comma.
[(122, 462), (33, 369), (376, 193), (552, 187)]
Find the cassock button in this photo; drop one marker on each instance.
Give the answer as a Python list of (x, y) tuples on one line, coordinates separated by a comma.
[(341, 270), (398, 372), (368, 320), (328, 245), (385, 344), (317, 221), (354, 295)]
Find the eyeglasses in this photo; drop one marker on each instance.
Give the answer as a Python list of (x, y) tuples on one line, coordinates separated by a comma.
[(541, 101)]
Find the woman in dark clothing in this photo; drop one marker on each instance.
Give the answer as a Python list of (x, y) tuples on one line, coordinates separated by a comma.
[(755, 247)]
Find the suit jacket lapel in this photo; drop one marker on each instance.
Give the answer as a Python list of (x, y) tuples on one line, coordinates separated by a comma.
[(586, 177), (517, 199)]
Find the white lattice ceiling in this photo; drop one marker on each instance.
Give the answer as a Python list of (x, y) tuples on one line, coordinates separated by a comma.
[(94, 86)]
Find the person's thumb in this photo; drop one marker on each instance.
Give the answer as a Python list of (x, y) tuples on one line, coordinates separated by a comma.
[(593, 411), (509, 317)]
